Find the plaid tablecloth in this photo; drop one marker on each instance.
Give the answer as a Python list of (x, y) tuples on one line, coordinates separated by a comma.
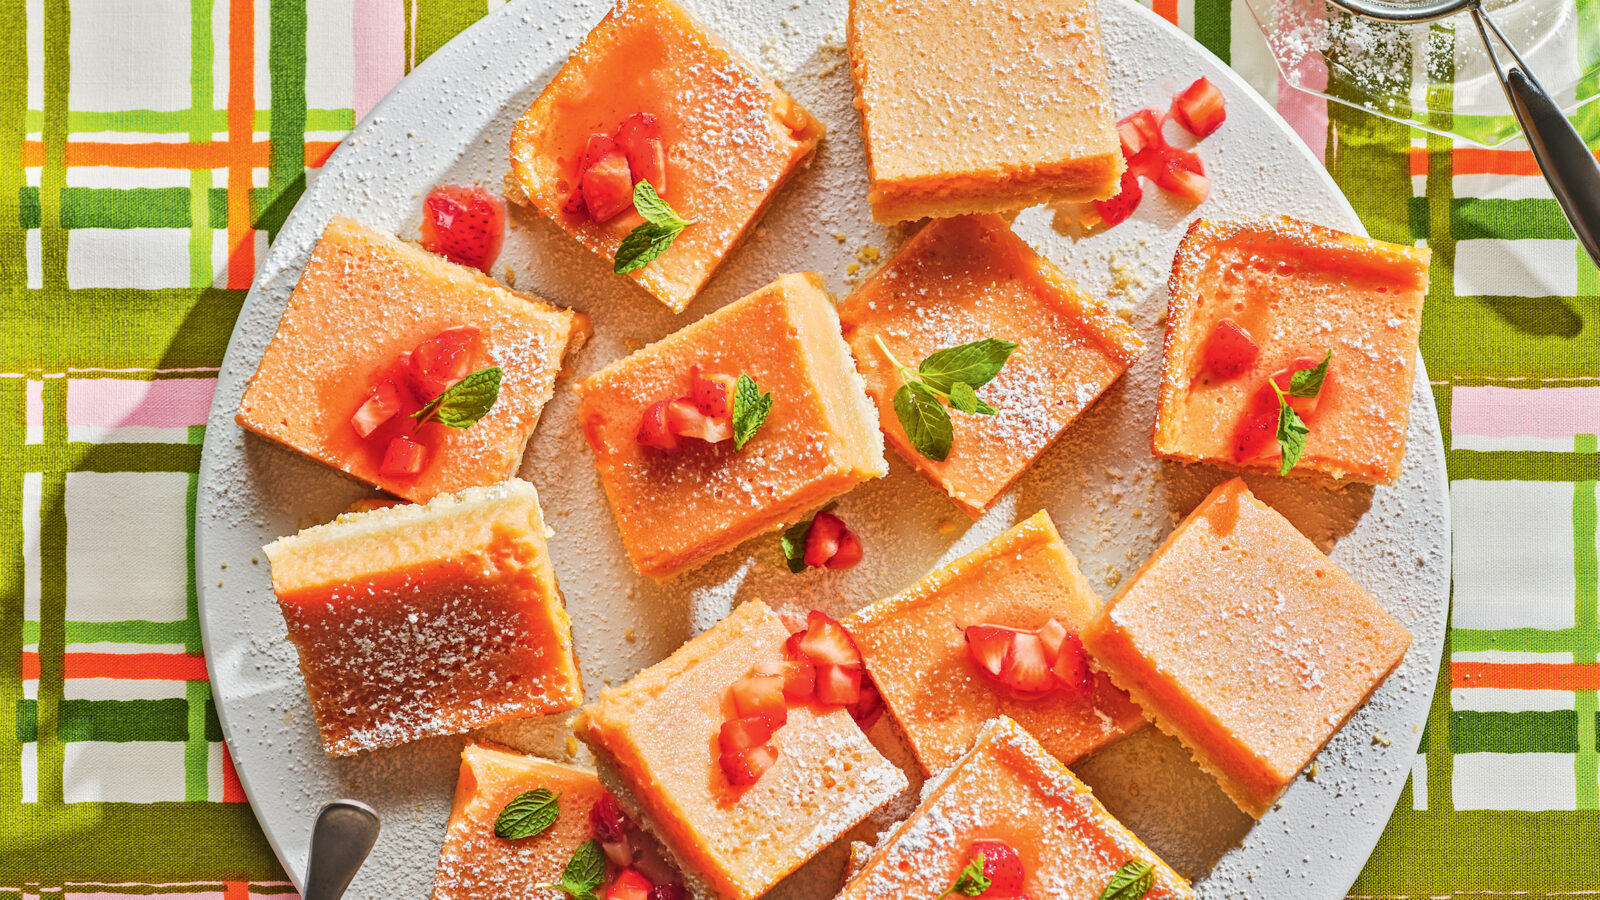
[(150, 149)]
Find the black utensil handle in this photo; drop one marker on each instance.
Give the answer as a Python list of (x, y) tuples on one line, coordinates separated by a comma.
[(1568, 164)]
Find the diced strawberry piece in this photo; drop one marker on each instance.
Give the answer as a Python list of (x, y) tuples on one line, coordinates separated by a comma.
[(795, 623), (442, 360), (1229, 350), (745, 767), (403, 457), (822, 541), (988, 646), (1027, 667), (669, 892), (599, 145), (379, 407), (1133, 139), (869, 706), (653, 430), (607, 187), (639, 136), (1183, 175), (1121, 206), (799, 680), (1256, 435), (629, 885), (768, 667), (849, 552), (827, 643), (838, 685), (684, 419), (607, 821), (618, 852), (760, 696), (1072, 666), (465, 224), (574, 206), (1001, 866), (744, 733), (1200, 108), (1142, 131), (1053, 633), (712, 394)]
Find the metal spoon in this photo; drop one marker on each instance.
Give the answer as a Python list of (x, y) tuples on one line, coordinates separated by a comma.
[(1568, 165), (340, 841)]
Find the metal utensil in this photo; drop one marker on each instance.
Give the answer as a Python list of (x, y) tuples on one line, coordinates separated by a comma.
[(340, 841), (1568, 165)]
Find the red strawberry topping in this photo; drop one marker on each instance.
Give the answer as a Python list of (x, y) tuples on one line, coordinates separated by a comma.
[(988, 644), (827, 643), (712, 394), (761, 696), (1200, 108), (1001, 866), (466, 225), (403, 457), (653, 430), (1071, 668), (745, 767), (629, 885), (1183, 175), (442, 360), (607, 187), (379, 407), (1031, 663), (1229, 350), (613, 163), (669, 892), (639, 136), (686, 420)]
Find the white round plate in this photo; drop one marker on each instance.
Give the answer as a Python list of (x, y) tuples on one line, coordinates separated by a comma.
[(450, 122)]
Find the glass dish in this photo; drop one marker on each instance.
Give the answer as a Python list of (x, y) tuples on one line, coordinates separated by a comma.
[(1435, 76)]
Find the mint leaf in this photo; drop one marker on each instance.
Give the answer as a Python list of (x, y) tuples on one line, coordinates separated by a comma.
[(924, 419), (465, 402), (528, 814), (586, 871), (1292, 430), (750, 409), (1307, 383), (975, 364), (972, 882), (1131, 882), (965, 399), (661, 227)]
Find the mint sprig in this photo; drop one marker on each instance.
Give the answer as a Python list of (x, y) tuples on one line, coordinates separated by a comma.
[(1131, 882), (1292, 430), (972, 882), (661, 227), (954, 375), (750, 409), (465, 402), (793, 541), (585, 872), (528, 814)]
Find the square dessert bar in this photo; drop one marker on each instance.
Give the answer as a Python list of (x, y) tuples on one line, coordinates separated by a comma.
[(969, 278), (1008, 789), (660, 734), (675, 509), (1253, 301), (474, 863), (363, 303), (914, 648), (422, 620), (983, 106), (1246, 643), (729, 138)]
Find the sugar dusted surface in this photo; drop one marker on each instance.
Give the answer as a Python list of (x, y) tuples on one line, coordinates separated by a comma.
[(451, 122)]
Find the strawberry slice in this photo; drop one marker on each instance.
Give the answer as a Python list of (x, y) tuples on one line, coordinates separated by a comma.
[(799, 680), (822, 541), (745, 767), (839, 685), (1266, 399), (826, 642), (442, 360), (1027, 666), (1229, 350), (684, 419), (1054, 634), (1183, 175), (599, 145), (607, 187), (1001, 866), (1071, 667), (1141, 131), (639, 137), (465, 224), (607, 821), (1121, 206), (869, 706), (760, 696), (669, 892), (1200, 108), (379, 407), (849, 552), (744, 733), (988, 645), (1256, 436), (629, 885), (712, 394), (653, 430), (403, 457)]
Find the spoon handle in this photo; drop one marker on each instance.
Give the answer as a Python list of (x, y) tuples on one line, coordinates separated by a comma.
[(342, 837), (1568, 164)]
